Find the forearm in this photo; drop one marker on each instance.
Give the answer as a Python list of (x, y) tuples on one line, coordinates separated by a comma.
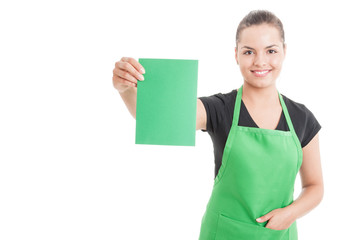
[(309, 198), (130, 99)]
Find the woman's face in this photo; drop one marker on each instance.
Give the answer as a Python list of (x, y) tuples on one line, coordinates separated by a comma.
[(260, 53)]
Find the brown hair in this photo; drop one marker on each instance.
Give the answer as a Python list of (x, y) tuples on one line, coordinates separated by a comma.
[(258, 17)]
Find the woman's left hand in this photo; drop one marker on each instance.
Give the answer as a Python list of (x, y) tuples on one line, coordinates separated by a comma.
[(278, 219)]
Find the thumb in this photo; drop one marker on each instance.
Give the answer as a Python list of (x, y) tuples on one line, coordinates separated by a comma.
[(264, 218)]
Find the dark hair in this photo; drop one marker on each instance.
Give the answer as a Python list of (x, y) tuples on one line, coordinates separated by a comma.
[(258, 17)]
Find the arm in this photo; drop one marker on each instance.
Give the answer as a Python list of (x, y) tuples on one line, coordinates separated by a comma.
[(126, 73), (201, 116), (312, 181), (130, 99), (312, 190)]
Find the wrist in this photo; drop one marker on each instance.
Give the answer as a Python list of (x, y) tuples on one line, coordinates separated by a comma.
[(127, 91), (293, 213), (123, 91)]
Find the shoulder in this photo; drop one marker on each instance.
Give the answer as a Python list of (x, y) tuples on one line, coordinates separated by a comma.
[(304, 121), (296, 108), (220, 98), (220, 103)]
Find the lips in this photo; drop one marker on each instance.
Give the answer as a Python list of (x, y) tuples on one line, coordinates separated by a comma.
[(260, 73)]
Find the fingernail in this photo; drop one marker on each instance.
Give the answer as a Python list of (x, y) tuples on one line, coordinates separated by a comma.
[(142, 70), (140, 77), (258, 219)]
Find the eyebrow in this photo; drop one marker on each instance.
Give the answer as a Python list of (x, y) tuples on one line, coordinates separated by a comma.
[(270, 46)]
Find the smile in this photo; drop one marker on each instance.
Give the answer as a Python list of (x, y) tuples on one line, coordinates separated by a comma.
[(260, 73)]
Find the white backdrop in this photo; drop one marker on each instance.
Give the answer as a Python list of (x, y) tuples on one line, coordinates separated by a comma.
[(69, 168)]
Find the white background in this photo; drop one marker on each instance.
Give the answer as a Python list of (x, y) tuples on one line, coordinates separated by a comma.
[(69, 168)]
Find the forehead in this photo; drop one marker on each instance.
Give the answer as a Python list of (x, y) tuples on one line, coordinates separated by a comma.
[(260, 35)]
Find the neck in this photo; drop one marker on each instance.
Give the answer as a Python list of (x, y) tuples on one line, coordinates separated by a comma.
[(260, 96)]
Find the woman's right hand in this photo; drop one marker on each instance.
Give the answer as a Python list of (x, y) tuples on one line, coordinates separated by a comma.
[(126, 74)]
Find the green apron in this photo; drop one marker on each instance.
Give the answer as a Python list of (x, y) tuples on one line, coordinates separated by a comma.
[(257, 175)]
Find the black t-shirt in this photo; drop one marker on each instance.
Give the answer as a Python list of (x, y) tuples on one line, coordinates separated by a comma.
[(220, 107)]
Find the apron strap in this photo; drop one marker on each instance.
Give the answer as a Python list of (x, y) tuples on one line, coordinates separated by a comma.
[(237, 107), (287, 115), (294, 135)]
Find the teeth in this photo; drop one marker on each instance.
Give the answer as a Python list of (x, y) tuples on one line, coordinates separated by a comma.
[(263, 72)]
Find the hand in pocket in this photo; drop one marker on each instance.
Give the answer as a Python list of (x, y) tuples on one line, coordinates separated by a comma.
[(278, 219)]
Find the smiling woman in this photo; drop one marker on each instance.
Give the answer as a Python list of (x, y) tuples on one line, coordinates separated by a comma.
[(258, 149)]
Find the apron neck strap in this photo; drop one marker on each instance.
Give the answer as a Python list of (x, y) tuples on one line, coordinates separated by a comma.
[(237, 108), (287, 115)]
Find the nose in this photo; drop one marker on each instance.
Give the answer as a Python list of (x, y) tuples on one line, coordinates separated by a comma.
[(260, 60)]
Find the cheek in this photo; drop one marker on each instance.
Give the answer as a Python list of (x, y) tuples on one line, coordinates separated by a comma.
[(245, 63), (244, 68), (277, 62)]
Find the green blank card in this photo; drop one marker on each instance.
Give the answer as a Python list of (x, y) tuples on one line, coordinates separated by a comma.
[(167, 102)]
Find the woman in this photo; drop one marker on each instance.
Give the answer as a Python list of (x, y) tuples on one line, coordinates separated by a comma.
[(261, 140)]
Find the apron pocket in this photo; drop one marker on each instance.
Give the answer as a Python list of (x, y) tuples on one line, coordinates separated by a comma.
[(230, 229)]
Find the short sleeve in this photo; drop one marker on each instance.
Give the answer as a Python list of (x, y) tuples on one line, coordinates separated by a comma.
[(212, 105), (312, 127), (304, 122), (218, 110)]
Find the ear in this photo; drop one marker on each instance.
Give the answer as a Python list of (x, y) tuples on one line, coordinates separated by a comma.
[(236, 54), (284, 49)]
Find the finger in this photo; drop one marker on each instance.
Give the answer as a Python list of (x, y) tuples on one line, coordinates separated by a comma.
[(125, 75), (125, 82), (135, 63), (128, 67), (264, 218), (118, 81)]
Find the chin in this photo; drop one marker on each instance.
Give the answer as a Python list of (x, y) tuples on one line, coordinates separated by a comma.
[(260, 83)]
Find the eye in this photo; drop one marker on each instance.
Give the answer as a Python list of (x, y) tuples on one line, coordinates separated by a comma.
[(249, 52), (272, 51)]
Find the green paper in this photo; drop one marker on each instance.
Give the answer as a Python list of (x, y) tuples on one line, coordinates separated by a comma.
[(167, 102)]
